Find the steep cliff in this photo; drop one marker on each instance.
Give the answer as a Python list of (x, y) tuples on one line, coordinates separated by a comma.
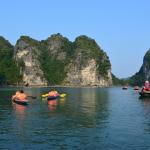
[(89, 65), (56, 53), (145, 69), (58, 61), (144, 72), (26, 54), (9, 71), (81, 62)]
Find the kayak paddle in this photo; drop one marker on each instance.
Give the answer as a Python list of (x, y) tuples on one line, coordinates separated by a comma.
[(61, 95)]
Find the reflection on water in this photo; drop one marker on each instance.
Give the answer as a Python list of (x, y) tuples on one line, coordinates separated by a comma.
[(52, 104), (62, 101), (87, 101), (19, 110), (146, 113), (19, 116), (145, 102), (81, 107), (87, 118)]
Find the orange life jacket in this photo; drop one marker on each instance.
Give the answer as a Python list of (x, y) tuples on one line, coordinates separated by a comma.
[(53, 93), (21, 96)]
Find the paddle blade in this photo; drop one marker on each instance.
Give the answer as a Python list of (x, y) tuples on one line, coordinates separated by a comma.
[(45, 95), (62, 95)]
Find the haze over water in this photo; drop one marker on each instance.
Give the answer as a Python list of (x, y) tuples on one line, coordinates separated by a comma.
[(87, 118)]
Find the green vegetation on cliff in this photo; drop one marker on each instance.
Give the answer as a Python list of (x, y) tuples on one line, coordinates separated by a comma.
[(53, 69), (52, 62), (57, 52), (90, 49), (144, 72), (55, 56), (137, 79), (9, 72), (28, 40)]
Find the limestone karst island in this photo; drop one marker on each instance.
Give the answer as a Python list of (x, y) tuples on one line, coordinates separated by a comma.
[(58, 61), (54, 61)]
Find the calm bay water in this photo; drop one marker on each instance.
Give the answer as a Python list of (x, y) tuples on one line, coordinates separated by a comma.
[(87, 118)]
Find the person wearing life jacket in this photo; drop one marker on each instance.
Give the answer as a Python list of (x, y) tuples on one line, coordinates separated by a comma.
[(53, 93), (146, 86), (20, 95)]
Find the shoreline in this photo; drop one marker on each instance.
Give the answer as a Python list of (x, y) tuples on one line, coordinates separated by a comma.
[(53, 86)]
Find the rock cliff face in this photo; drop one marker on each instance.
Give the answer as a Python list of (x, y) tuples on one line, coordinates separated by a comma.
[(89, 65), (57, 61), (27, 53), (85, 63), (86, 75), (144, 72), (145, 69)]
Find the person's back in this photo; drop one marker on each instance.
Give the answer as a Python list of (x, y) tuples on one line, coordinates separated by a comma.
[(53, 93), (16, 95), (21, 95)]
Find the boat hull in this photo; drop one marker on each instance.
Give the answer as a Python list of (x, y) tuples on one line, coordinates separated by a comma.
[(52, 97), (144, 94), (20, 102)]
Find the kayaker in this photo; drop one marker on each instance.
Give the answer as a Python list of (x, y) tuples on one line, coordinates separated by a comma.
[(146, 86), (53, 93), (20, 95), (16, 95)]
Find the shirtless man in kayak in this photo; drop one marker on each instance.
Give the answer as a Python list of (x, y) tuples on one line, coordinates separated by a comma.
[(20, 95)]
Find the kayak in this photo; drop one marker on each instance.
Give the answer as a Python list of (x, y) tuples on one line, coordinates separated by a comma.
[(52, 97), (20, 102), (144, 93), (60, 95)]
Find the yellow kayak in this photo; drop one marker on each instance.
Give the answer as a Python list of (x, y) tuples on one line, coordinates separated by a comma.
[(60, 95)]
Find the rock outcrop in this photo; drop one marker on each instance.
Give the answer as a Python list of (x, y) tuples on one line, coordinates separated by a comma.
[(27, 53), (86, 75), (58, 61), (9, 71), (144, 72), (145, 69), (89, 66), (84, 63)]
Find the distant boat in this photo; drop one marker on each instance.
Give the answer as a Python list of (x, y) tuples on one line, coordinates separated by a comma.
[(136, 88), (125, 87)]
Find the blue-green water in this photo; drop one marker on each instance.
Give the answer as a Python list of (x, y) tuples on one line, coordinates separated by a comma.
[(87, 118)]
